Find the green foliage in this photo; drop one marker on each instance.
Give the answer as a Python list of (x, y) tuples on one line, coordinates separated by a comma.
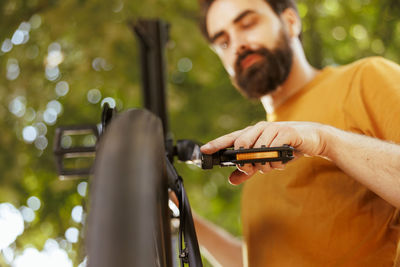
[(98, 50)]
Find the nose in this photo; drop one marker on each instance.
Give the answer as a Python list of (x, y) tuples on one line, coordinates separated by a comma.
[(239, 42), (241, 48)]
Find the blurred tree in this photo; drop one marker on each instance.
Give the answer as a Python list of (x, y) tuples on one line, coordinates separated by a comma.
[(59, 60)]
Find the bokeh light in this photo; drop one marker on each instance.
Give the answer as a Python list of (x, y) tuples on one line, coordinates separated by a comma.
[(17, 106), (99, 64), (52, 73), (54, 58), (82, 188), (339, 33), (27, 213), (55, 105), (66, 141), (6, 46), (72, 234), (111, 102), (18, 37), (185, 64), (11, 224), (332, 7), (29, 133), (51, 256), (35, 21), (77, 214), (8, 254), (89, 140), (359, 32), (30, 114), (62, 88), (12, 69), (41, 142), (303, 9), (94, 96), (50, 116), (34, 203), (377, 46), (41, 128)]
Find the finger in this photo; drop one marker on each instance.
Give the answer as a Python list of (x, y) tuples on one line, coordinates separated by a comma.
[(220, 142), (277, 165), (282, 138), (250, 135), (298, 154), (287, 135), (265, 139), (238, 177), (264, 168), (248, 169)]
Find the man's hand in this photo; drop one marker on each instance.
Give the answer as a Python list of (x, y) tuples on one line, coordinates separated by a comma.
[(305, 137)]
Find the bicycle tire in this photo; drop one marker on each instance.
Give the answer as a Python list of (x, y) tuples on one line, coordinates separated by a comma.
[(129, 220)]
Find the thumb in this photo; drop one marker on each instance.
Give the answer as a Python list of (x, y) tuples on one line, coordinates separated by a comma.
[(237, 177)]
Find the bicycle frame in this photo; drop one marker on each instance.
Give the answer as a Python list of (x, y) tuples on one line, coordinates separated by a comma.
[(153, 37)]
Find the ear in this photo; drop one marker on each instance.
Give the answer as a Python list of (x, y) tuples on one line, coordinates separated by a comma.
[(292, 21)]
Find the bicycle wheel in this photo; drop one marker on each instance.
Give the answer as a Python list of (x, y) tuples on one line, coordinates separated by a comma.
[(129, 223)]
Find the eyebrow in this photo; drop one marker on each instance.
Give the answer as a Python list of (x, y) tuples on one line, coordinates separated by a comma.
[(235, 21), (242, 15)]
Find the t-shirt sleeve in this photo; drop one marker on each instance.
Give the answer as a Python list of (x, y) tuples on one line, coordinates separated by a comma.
[(372, 105)]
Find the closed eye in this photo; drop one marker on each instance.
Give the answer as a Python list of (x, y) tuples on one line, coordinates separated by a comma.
[(222, 42), (248, 21)]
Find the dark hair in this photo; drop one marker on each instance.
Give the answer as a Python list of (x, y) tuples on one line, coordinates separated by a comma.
[(278, 6)]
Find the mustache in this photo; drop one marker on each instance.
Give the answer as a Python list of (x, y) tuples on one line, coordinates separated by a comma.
[(246, 53)]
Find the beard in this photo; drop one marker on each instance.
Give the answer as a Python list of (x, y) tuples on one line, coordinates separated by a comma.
[(268, 73)]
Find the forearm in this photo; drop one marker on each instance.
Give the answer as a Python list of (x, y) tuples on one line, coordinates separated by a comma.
[(225, 249), (372, 162)]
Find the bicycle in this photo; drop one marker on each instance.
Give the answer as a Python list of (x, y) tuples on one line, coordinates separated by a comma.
[(130, 145), (129, 218)]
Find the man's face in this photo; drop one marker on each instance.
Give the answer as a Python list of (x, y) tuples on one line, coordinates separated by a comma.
[(252, 43)]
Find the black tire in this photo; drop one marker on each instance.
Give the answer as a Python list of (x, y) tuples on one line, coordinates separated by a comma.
[(129, 223)]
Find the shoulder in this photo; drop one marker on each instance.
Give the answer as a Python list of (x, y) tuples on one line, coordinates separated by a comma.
[(371, 105), (375, 79), (373, 66), (372, 73), (369, 67)]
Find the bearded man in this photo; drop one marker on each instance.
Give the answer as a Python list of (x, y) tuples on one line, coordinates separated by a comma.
[(339, 205)]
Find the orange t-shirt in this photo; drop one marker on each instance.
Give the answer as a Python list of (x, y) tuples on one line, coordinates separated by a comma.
[(313, 214)]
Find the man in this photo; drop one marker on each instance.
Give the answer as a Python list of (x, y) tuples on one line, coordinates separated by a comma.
[(339, 205)]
